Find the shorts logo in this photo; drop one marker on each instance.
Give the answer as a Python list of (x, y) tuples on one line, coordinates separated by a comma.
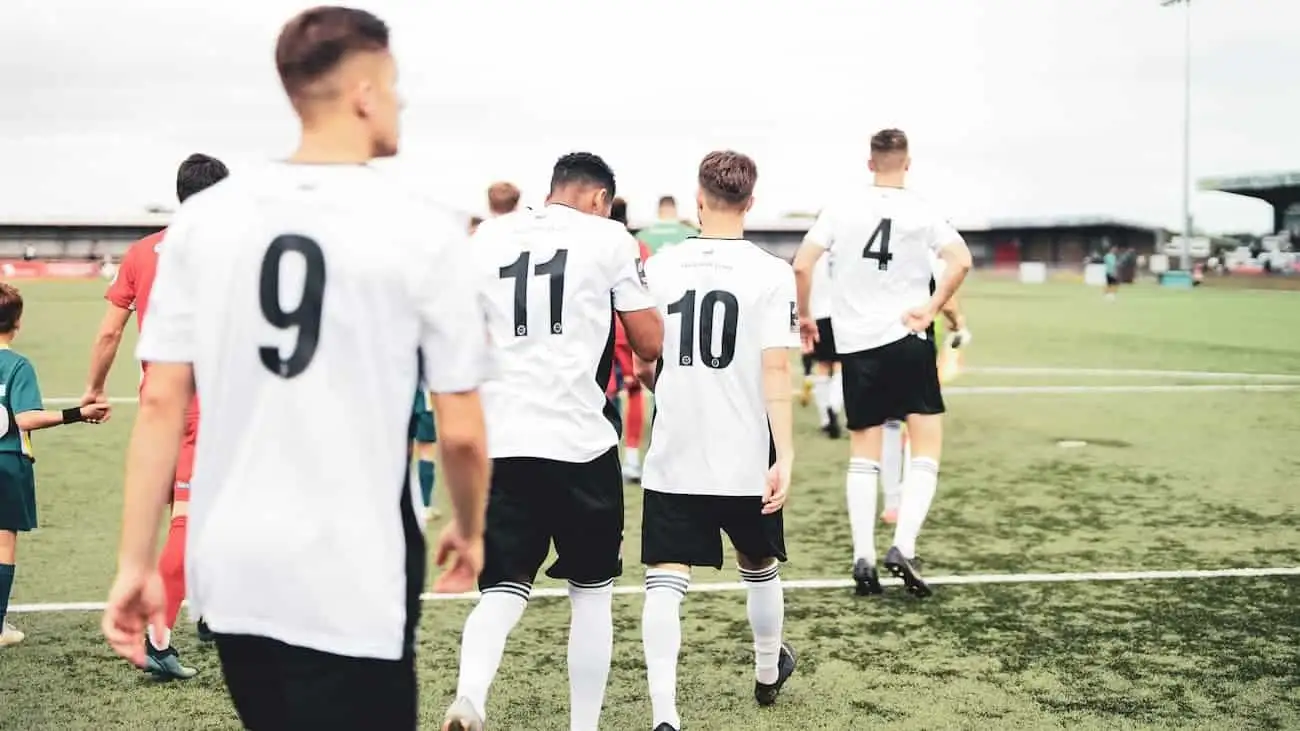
[(640, 271), (794, 318)]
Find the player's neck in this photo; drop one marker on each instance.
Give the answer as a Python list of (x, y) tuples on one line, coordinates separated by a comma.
[(6, 339), (888, 180), (721, 226), (326, 146)]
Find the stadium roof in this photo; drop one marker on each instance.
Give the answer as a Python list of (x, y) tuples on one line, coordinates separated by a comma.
[(1263, 185)]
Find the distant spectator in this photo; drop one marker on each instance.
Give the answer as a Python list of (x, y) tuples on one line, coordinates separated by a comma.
[(668, 230), (29, 252), (503, 198)]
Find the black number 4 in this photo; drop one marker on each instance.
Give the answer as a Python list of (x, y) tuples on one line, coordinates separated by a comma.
[(686, 343), (882, 256), (554, 268), (306, 316)]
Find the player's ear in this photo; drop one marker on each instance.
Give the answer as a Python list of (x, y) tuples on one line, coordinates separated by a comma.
[(749, 204), (364, 101), (907, 163), (602, 204), (871, 164)]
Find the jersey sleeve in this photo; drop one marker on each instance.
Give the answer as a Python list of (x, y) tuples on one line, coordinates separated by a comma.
[(121, 291), (24, 391), (781, 318), (453, 330), (942, 233), (168, 335), (822, 232), (630, 290)]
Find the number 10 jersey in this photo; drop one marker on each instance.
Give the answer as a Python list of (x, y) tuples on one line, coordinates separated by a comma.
[(724, 302), (551, 280)]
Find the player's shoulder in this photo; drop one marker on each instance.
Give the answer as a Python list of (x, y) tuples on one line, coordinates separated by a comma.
[(763, 263), (145, 247)]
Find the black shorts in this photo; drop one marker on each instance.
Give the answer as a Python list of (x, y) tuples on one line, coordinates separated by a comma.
[(687, 529), (535, 501), (824, 348), (890, 382), (276, 686), (1112, 280)]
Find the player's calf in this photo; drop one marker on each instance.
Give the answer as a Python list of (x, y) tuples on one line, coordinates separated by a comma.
[(661, 635), (774, 659), (482, 644), (591, 649)]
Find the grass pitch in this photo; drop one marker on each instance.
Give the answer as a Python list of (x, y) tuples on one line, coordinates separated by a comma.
[(1174, 480)]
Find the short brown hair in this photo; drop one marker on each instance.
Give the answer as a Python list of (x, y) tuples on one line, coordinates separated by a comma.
[(503, 198), (888, 140), (316, 41), (728, 177), (11, 308)]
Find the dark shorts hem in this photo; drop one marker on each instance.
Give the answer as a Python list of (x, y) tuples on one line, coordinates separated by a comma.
[(687, 529), (893, 381)]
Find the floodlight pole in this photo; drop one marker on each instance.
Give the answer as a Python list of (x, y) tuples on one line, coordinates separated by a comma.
[(1185, 260)]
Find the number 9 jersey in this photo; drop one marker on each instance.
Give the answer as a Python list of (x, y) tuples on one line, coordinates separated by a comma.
[(724, 302), (883, 242)]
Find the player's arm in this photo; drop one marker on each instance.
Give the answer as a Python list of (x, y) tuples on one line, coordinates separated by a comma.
[(633, 302), (815, 243), (30, 413), (121, 297), (780, 336), (952, 313), (957, 261)]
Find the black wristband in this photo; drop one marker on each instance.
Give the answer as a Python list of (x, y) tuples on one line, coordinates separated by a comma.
[(72, 416)]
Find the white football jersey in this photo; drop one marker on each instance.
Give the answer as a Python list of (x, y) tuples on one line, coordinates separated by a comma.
[(724, 302), (309, 299), (551, 280), (883, 242), (819, 301)]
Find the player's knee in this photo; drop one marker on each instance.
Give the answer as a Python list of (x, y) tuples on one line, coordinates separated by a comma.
[(756, 564)]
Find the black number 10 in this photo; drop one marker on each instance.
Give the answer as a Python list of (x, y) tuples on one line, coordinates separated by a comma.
[(306, 316), (553, 268), (686, 343)]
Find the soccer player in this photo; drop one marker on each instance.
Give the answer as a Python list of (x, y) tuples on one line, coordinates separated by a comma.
[(1111, 262), (503, 198), (306, 300), (554, 281), (129, 292), (625, 371), (668, 230), (20, 397), (722, 397), (828, 387), (882, 239)]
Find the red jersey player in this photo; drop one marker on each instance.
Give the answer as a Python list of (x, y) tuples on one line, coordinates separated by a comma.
[(129, 293), (634, 424)]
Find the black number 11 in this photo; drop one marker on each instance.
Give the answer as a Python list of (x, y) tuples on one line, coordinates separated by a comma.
[(519, 271)]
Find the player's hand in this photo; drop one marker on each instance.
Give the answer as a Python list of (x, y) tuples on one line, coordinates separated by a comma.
[(777, 488), (918, 320), (461, 559), (96, 413), (808, 333), (134, 603), (959, 339), (92, 395)]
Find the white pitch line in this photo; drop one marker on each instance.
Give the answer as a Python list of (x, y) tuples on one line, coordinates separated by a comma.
[(809, 584), (1108, 372), (1200, 387)]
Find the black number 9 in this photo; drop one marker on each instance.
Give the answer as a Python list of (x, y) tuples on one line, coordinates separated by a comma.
[(306, 316)]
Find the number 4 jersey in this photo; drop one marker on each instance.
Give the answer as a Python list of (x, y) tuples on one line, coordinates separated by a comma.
[(551, 280), (724, 302), (882, 243), (304, 296)]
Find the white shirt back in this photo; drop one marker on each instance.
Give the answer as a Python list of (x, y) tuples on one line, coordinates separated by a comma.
[(305, 296), (724, 302), (551, 279), (882, 241)]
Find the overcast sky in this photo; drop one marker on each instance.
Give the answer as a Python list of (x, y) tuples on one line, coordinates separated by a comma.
[(1015, 108)]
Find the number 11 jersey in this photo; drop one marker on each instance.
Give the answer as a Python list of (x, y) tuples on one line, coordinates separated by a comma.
[(724, 302), (551, 280), (883, 240)]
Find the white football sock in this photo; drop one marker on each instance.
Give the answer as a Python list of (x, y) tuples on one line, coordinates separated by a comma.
[(631, 456), (891, 463), (661, 634), (918, 492), (822, 397), (837, 392), (483, 640), (591, 648), (766, 607), (860, 489)]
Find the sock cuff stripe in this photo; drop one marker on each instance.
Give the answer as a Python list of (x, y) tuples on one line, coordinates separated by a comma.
[(858, 465), (679, 588), (761, 575), (591, 585), (523, 591), (925, 464)]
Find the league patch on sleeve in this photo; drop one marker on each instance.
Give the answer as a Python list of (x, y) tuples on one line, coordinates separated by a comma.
[(794, 318), (640, 271)]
